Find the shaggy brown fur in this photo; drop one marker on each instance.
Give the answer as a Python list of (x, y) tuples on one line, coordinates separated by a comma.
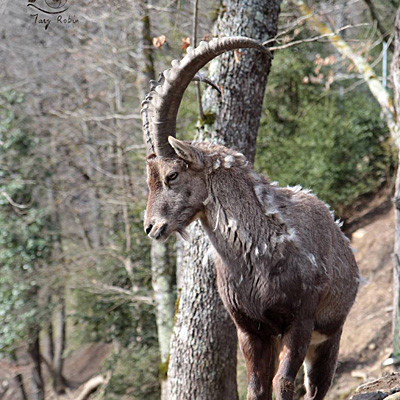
[(285, 271)]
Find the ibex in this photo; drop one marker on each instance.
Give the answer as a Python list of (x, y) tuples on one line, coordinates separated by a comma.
[(285, 271)]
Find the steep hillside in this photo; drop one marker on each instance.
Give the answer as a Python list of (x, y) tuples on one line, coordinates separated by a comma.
[(366, 340)]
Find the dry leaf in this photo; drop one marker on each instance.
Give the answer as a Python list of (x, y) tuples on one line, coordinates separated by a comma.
[(185, 43), (159, 41), (237, 55)]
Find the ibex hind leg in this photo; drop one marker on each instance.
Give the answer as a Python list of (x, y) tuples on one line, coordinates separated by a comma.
[(260, 355), (320, 366)]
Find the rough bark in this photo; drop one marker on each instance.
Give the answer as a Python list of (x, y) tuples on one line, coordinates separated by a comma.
[(396, 256), (204, 344)]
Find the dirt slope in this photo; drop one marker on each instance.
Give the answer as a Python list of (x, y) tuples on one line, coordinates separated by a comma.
[(366, 339)]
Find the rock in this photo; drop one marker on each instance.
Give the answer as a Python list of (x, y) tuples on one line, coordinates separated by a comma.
[(369, 396), (395, 396)]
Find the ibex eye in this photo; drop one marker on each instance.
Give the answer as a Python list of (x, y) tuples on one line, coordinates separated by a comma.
[(172, 177)]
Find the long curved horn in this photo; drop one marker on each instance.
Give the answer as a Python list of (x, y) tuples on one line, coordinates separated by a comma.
[(160, 107), (146, 111)]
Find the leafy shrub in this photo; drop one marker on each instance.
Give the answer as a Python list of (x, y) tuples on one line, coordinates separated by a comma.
[(336, 145)]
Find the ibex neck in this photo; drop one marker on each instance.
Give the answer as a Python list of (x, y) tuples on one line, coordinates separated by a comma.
[(236, 222)]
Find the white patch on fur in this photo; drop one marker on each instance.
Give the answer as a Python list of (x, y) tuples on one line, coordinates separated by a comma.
[(291, 236), (217, 164), (232, 224), (339, 223), (207, 200), (274, 183), (318, 338), (229, 161), (241, 279), (217, 222), (312, 260), (271, 207), (259, 189), (295, 189), (257, 252), (265, 248)]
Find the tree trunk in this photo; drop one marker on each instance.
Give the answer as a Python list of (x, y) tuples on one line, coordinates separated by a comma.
[(204, 344), (34, 354), (60, 383), (396, 255), (162, 280), (54, 350), (19, 379)]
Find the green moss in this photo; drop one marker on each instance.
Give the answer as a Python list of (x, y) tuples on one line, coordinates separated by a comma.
[(209, 119), (164, 369), (178, 299)]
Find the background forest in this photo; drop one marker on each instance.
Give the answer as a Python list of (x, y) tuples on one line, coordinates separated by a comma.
[(83, 291)]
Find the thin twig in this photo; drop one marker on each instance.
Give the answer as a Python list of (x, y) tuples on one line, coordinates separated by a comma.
[(195, 18), (13, 203), (68, 114), (308, 40)]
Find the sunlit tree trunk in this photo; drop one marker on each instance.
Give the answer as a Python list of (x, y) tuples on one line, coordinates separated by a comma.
[(396, 255), (34, 354), (204, 343), (19, 379)]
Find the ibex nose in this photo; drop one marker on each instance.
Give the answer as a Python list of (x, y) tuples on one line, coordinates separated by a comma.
[(148, 229)]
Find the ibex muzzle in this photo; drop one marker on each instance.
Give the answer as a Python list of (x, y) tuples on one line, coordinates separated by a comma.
[(285, 271)]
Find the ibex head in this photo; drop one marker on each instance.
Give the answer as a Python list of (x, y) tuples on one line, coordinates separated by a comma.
[(177, 190), (176, 173)]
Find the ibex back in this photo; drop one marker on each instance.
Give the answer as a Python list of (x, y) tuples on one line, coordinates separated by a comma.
[(285, 271)]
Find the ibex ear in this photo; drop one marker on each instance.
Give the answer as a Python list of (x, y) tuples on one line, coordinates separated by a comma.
[(187, 152)]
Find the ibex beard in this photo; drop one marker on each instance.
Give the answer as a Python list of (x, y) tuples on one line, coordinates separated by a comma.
[(285, 271)]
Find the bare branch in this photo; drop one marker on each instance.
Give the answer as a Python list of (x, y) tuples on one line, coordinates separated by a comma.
[(68, 115), (13, 203), (312, 39)]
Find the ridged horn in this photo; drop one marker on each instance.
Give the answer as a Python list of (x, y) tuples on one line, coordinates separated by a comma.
[(161, 105)]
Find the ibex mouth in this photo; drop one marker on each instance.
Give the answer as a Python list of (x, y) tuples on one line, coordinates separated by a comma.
[(158, 233)]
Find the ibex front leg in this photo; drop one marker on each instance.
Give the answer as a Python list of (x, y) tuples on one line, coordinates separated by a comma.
[(260, 355), (295, 343)]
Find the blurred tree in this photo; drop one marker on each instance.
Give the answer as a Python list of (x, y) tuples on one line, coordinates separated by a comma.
[(396, 253)]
